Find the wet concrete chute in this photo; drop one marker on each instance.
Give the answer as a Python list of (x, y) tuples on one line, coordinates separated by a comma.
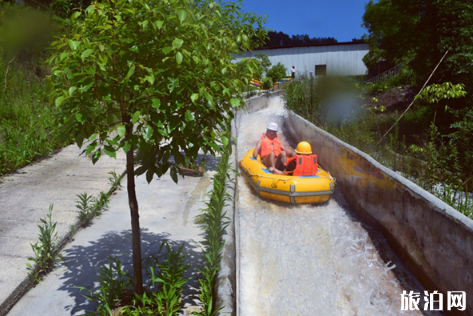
[(308, 259)]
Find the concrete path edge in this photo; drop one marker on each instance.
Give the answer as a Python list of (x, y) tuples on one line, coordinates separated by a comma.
[(27, 283)]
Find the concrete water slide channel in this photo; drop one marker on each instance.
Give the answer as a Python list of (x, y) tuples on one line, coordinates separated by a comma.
[(354, 255)]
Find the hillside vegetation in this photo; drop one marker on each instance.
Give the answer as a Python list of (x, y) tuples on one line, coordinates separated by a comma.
[(434, 39), (369, 118), (28, 129), (419, 122)]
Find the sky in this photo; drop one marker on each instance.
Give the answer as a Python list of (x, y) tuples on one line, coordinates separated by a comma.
[(340, 19)]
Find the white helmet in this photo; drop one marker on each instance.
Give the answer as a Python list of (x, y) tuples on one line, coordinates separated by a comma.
[(272, 127)]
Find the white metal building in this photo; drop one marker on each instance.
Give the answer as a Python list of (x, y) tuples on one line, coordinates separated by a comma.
[(343, 59)]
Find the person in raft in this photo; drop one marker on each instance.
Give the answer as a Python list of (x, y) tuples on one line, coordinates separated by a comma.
[(302, 164), (273, 154)]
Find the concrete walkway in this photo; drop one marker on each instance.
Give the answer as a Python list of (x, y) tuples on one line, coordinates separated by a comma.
[(167, 212), (25, 197)]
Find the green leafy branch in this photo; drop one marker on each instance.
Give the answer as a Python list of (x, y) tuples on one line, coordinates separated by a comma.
[(436, 92)]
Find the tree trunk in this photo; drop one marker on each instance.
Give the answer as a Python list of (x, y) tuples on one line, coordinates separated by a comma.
[(135, 222), (132, 201)]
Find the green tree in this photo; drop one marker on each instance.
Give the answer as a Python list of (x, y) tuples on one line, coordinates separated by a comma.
[(423, 30), (392, 26), (265, 62), (64, 8), (153, 76), (277, 72)]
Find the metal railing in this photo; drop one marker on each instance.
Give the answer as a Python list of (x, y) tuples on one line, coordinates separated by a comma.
[(385, 75)]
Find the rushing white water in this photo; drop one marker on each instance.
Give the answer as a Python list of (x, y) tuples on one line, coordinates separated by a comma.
[(305, 259)]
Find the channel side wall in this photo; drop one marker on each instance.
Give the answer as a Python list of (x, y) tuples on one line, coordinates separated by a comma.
[(226, 279), (225, 288), (434, 240)]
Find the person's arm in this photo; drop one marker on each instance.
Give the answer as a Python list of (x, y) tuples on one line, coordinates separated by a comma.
[(257, 150), (288, 152)]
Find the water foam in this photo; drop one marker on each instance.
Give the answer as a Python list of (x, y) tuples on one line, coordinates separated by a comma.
[(305, 259)]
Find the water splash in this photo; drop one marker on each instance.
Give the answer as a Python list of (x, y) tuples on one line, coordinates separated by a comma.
[(306, 259)]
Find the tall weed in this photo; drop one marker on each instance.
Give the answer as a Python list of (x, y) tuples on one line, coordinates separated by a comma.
[(161, 298), (90, 206), (167, 280), (302, 97), (114, 281), (215, 222), (84, 205), (45, 251)]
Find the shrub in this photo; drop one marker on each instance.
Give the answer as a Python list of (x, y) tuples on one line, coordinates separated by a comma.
[(267, 83), (277, 72)]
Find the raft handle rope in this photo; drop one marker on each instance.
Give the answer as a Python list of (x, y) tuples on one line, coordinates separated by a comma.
[(279, 179)]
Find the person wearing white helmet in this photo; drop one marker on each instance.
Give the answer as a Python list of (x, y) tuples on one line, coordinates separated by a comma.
[(273, 154)]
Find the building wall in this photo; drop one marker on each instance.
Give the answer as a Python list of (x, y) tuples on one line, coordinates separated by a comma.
[(345, 60)]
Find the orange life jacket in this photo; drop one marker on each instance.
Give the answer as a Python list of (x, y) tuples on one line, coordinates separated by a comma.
[(306, 165), (268, 146)]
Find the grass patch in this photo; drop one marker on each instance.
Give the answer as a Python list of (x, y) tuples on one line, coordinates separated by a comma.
[(405, 77), (27, 121)]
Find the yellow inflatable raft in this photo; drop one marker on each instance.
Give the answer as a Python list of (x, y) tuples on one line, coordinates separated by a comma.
[(291, 189)]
